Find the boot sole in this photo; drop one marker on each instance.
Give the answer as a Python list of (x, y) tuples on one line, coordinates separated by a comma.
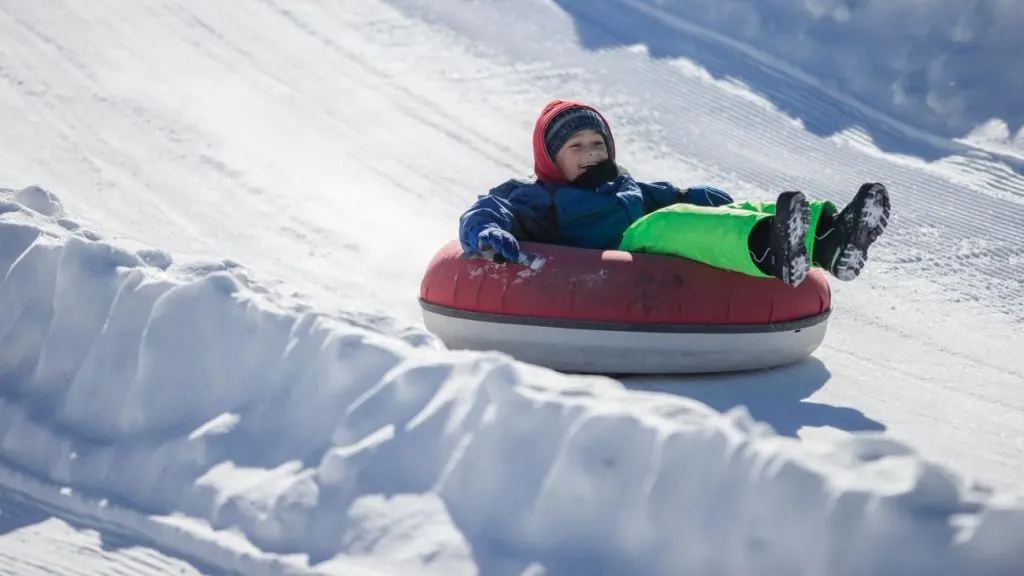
[(789, 232), (872, 218)]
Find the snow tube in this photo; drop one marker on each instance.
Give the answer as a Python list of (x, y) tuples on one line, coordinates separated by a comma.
[(615, 312)]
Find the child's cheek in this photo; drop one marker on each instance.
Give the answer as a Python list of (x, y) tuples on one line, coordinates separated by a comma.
[(565, 165)]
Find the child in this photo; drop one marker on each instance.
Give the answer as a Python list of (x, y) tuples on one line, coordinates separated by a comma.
[(581, 197)]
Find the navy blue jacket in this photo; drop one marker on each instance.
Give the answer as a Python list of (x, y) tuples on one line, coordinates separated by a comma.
[(570, 216)]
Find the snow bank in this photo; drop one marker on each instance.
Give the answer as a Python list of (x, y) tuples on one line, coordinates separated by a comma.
[(186, 393), (947, 65)]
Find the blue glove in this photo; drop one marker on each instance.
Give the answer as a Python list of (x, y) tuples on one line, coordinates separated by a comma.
[(500, 241), (706, 196)]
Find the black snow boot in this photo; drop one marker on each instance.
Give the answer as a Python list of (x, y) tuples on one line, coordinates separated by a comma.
[(842, 241), (778, 244)]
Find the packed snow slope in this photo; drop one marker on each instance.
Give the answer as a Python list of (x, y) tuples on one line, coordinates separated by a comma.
[(209, 340), (36, 542)]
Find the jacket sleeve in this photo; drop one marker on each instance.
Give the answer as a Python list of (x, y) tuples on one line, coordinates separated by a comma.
[(658, 195), (520, 208)]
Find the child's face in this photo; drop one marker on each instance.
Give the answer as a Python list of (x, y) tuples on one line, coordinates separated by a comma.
[(580, 152)]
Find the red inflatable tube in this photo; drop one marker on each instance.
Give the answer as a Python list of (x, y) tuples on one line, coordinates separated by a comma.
[(610, 311)]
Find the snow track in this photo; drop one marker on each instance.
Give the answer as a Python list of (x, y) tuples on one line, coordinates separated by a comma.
[(252, 193), (36, 543)]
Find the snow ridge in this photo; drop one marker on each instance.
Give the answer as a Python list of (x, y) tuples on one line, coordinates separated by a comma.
[(942, 65), (186, 392)]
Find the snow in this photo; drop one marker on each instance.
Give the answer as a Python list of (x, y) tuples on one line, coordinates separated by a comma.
[(25, 524), (943, 65), (211, 237), (191, 393)]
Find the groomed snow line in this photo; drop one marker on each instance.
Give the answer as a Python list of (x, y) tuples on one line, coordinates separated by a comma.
[(182, 393)]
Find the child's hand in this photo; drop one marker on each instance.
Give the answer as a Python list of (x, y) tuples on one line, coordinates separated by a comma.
[(500, 241)]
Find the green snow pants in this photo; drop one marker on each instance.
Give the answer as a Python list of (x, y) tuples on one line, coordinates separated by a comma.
[(716, 236)]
